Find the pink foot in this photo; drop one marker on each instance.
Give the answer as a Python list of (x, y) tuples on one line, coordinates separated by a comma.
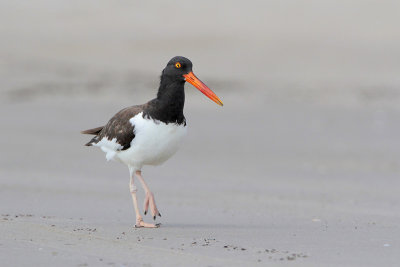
[(141, 224), (149, 201)]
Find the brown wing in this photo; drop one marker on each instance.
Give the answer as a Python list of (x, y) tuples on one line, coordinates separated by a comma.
[(117, 127)]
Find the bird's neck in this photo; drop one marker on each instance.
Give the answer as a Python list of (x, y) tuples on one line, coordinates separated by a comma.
[(171, 100)]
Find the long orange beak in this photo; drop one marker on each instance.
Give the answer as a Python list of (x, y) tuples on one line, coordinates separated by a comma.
[(191, 78)]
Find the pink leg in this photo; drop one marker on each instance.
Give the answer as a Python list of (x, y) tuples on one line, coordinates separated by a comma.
[(139, 219), (149, 199)]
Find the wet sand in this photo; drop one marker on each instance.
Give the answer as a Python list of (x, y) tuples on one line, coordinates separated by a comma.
[(300, 167)]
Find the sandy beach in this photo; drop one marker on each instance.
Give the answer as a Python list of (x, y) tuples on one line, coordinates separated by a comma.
[(299, 168)]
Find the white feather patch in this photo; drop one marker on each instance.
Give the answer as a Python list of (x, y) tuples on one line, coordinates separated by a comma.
[(154, 142), (110, 147)]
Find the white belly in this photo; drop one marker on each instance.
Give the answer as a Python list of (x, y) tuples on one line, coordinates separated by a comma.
[(154, 142)]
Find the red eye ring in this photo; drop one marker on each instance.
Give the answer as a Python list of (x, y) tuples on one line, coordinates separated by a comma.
[(178, 65)]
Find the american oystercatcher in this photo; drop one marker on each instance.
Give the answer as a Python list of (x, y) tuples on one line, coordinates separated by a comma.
[(151, 133)]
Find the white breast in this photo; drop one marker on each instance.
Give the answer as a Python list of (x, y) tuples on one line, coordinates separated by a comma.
[(154, 142)]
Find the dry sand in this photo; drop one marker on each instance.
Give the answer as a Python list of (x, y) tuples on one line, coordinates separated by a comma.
[(300, 167)]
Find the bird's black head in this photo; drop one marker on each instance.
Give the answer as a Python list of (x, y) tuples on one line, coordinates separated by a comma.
[(177, 67), (179, 70)]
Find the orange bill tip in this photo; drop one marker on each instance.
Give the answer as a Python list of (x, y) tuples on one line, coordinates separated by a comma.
[(196, 82)]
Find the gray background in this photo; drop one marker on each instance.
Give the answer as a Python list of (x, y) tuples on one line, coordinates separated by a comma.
[(300, 167)]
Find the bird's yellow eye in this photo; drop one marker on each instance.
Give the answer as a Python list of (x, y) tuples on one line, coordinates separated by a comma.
[(178, 65)]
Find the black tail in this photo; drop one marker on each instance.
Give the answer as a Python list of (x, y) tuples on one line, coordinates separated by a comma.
[(94, 131), (93, 141), (90, 143)]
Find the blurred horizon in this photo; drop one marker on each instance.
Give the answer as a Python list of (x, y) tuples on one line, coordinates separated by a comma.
[(345, 52)]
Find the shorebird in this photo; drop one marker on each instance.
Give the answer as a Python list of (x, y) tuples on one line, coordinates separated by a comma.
[(151, 133)]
